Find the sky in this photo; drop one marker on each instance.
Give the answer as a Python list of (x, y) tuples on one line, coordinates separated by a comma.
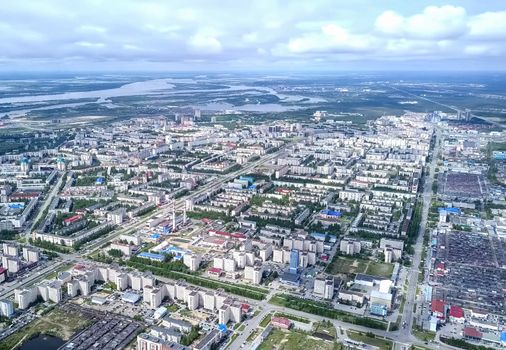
[(266, 35)]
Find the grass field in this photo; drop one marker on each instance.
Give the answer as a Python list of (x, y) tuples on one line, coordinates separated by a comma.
[(253, 335), (325, 328), (341, 264), (266, 320), (172, 308), (380, 269), (383, 344), (293, 340), (347, 265), (57, 322), (423, 335), (293, 317)]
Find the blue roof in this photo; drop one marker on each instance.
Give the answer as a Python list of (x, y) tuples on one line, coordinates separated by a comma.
[(450, 210), (222, 327), (100, 180), (152, 256), (503, 336), (331, 212), (16, 205), (247, 178), (155, 236), (176, 251), (319, 235)]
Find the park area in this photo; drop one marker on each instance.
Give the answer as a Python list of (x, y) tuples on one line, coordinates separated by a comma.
[(295, 340), (381, 344), (56, 322), (345, 265)]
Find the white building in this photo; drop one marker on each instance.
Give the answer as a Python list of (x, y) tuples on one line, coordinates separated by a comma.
[(192, 261), (6, 308), (30, 254), (152, 296), (324, 287), (253, 274), (10, 249), (11, 263), (350, 246)]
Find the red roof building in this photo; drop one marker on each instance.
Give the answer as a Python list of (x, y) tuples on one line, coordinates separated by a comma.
[(456, 314), (440, 269), (215, 271), (23, 195), (239, 236), (438, 308), (472, 333), (281, 322), (72, 219), (245, 308), (283, 190)]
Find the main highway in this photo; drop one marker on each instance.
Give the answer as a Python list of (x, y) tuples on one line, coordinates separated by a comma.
[(412, 278)]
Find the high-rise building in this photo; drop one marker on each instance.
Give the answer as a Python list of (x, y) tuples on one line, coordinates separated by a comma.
[(6, 308), (294, 261)]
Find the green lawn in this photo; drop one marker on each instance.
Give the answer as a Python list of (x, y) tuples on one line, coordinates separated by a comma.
[(380, 269), (383, 344), (253, 335), (266, 320), (293, 318), (293, 340), (423, 335), (347, 265), (325, 328), (341, 264), (172, 308)]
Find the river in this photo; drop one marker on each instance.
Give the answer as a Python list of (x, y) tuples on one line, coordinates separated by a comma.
[(43, 342)]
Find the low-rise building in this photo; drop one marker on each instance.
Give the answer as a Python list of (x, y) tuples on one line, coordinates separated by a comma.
[(281, 322)]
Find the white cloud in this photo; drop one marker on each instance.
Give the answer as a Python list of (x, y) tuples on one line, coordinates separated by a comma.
[(91, 29), (88, 44), (261, 31), (484, 50), (390, 22), (205, 43), (488, 25), (330, 38), (433, 23)]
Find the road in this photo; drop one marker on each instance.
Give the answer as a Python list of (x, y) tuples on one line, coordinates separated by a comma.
[(46, 203), (95, 245), (412, 278), (266, 308)]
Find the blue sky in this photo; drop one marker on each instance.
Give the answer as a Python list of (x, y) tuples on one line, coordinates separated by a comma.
[(253, 35)]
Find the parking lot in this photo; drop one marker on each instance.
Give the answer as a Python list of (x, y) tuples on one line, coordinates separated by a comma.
[(115, 305)]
